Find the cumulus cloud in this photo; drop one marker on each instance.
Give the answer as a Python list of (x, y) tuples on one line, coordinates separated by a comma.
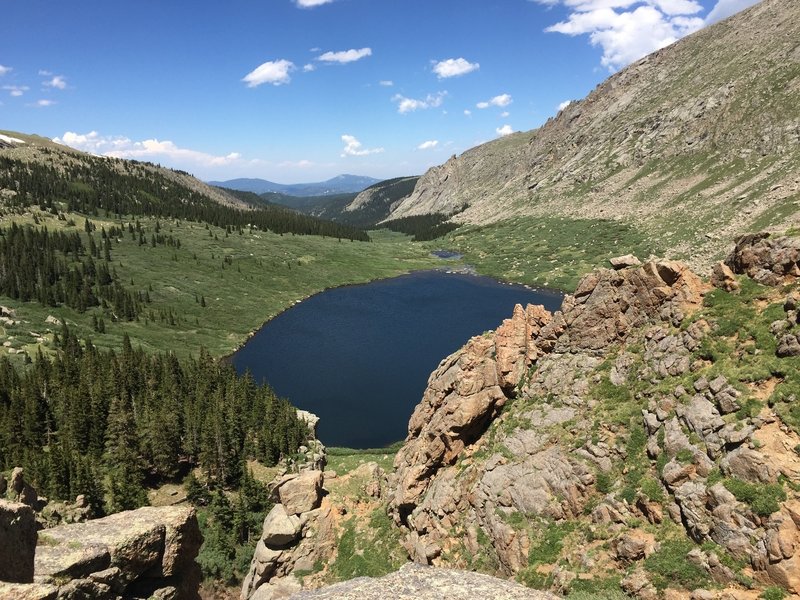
[(345, 56), (725, 8), (308, 68), (16, 90), (626, 30), (152, 150), (311, 3), (405, 105), (387, 83), (275, 72), (45, 103), (505, 114), (564, 105), (454, 67), (501, 101), (352, 147), (4, 70), (57, 82), (429, 145), (467, 112), (504, 130)]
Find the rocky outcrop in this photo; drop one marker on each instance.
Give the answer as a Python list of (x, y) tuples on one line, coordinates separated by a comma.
[(17, 542), (766, 259), (148, 552), (415, 582), (533, 354), (601, 417)]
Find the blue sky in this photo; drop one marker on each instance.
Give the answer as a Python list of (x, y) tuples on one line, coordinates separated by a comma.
[(303, 90)]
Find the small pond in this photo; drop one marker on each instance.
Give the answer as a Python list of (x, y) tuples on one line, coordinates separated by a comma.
[(359, 356)]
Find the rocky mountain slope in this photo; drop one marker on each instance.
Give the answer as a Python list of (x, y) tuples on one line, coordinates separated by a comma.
[(693, 145), (644, 436)]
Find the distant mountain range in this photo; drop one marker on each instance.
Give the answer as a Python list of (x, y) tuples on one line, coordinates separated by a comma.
[(341, 184)]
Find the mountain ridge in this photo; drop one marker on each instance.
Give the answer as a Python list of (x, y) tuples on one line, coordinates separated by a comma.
[(340, 184), (693, 144)]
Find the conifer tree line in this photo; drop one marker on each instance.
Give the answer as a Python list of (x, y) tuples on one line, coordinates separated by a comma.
[(55, 268), (423, 227), (114, 188), (105, 423)]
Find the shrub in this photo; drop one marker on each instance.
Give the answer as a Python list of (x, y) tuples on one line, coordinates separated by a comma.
[(763, 498), (669, 566)]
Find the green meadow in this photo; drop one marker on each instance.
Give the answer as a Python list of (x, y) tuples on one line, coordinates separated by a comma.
[(214, 290)]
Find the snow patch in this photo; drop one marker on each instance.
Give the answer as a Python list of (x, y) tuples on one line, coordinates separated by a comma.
[(10, 140)]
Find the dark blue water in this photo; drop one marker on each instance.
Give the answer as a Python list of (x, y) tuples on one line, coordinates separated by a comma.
[(359, 357)]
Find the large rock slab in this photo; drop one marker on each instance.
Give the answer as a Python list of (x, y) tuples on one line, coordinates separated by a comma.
[(140, 551), (415, 582), (17, 542)]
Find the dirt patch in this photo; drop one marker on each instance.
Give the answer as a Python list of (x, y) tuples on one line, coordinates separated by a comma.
[(777, 444)]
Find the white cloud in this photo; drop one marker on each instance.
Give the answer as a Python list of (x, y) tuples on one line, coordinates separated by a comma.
[(4, 70), (501, 101), (453, 67), (725, 8), (405, 105), (308, 68), (627, 30), (467, 112), (296, 164), (44, 103), (387, 83), (153, 150), (16, 90), (504, 130), (353, 147), (58, 82), (429, 145), (275, 72), (564, 105), (311, 3), (505, 114), (345, 56)]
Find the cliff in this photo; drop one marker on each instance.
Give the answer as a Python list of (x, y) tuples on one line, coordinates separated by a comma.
[(647, 432)]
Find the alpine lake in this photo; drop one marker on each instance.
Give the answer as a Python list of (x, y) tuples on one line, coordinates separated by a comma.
[(359, 356)]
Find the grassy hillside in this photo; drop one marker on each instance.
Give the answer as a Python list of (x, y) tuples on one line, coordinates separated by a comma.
[(243, 280)]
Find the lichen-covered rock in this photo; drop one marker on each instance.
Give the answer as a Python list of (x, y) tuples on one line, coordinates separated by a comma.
[(17, 542)]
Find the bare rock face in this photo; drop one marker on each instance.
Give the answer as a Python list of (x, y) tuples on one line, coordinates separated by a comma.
[(768, 260), (415, 582), (300, 493), (722, 277), (297, 533), (140, 553), (437, 488), (607, 304), (17, 542)]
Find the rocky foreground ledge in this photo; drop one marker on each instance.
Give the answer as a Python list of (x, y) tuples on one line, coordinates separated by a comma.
[(145, 553), (416, 582)]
